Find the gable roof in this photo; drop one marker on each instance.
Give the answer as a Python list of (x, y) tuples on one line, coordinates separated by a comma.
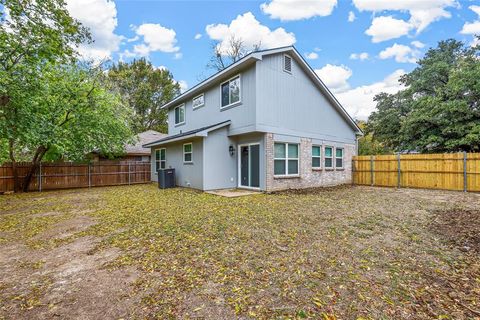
[(200, 132), (257, 56), (141, 139)]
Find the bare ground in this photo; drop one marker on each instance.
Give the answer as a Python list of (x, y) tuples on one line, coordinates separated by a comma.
[(340, 253)]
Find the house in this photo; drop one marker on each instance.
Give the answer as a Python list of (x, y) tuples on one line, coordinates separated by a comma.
[(135, 151), (266, 122)]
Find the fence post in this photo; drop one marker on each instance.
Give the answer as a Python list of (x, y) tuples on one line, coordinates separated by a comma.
[(129, 164), (399, 172), (89, 175), (371, 170), (353, 171), (40, 177), (464, 171)]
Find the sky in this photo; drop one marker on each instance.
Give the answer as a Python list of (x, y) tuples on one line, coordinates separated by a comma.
[(358, 48)]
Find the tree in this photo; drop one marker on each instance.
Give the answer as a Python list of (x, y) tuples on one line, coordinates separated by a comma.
[(223, 56), (32, 34), (71, 114), (439, 110), (367, 145), (144, 89)]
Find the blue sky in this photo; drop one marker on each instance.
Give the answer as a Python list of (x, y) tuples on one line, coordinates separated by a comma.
[(358, 48)]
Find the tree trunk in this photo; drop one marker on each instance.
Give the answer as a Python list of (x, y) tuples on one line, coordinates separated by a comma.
[(34, 167), (16, 181)]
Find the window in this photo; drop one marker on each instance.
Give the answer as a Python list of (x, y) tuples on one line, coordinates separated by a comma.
[(160, 159), (339, 158), (187, 153), (285, 159), (328, 157), (316, 157), (230, 91), (180, 114), (198, 101), (287, 63)]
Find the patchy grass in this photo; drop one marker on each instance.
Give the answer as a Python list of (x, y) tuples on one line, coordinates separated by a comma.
[(340, 253)]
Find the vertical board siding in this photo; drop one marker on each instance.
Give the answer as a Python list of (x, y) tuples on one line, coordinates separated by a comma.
[(66, 175), (427, 171)]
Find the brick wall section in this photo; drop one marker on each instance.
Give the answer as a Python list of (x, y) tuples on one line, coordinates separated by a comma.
[(308, 177)]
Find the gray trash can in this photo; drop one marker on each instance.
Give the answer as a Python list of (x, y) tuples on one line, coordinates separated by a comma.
[(166, 178)]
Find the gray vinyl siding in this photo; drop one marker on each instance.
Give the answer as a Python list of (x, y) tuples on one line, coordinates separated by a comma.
[(292, 104), (241, 115), (187, 175), (220, 167)]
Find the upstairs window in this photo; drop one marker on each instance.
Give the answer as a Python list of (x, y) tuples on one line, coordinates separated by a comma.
[(316, 157), (339, 158), (198, 101), (230, 91), (287, 63), (180, 114), (285, 161), (328, 157)]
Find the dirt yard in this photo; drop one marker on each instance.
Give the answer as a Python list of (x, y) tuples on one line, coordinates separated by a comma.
[(139, 252)]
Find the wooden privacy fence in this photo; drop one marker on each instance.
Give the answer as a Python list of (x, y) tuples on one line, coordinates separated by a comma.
[(64, 175), (451, 171)]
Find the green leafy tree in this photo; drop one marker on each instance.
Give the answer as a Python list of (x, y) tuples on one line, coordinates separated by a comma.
[(32, 34), (367, 145), (439, 110), (71, 113), (145, 89)]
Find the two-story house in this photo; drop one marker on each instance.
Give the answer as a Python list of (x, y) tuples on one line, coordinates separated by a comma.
[(266, 122)]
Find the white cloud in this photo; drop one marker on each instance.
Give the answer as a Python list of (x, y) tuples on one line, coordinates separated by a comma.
[(288, 10), (472, 27), (183, 85), (417, 44), (198, 36), (100, 16), (422, 12), (311, 55), (317, 49), (359, 56), (386, 27), (335, 77), (155, 38), (401, 53), (351, 16), (178, 55), (133, 39), (251, 32), (359, 101)]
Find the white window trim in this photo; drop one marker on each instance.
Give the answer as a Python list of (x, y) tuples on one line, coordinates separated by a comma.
[(199, 106), (239, 93), (286, 160), (184, 114), (160, 160), (343, 153), (321, 154), (332, 157), (291, 63), (184, 153)]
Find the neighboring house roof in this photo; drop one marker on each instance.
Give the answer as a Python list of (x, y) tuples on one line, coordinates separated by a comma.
[(142, 138), (256, 56), (200, 132)]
